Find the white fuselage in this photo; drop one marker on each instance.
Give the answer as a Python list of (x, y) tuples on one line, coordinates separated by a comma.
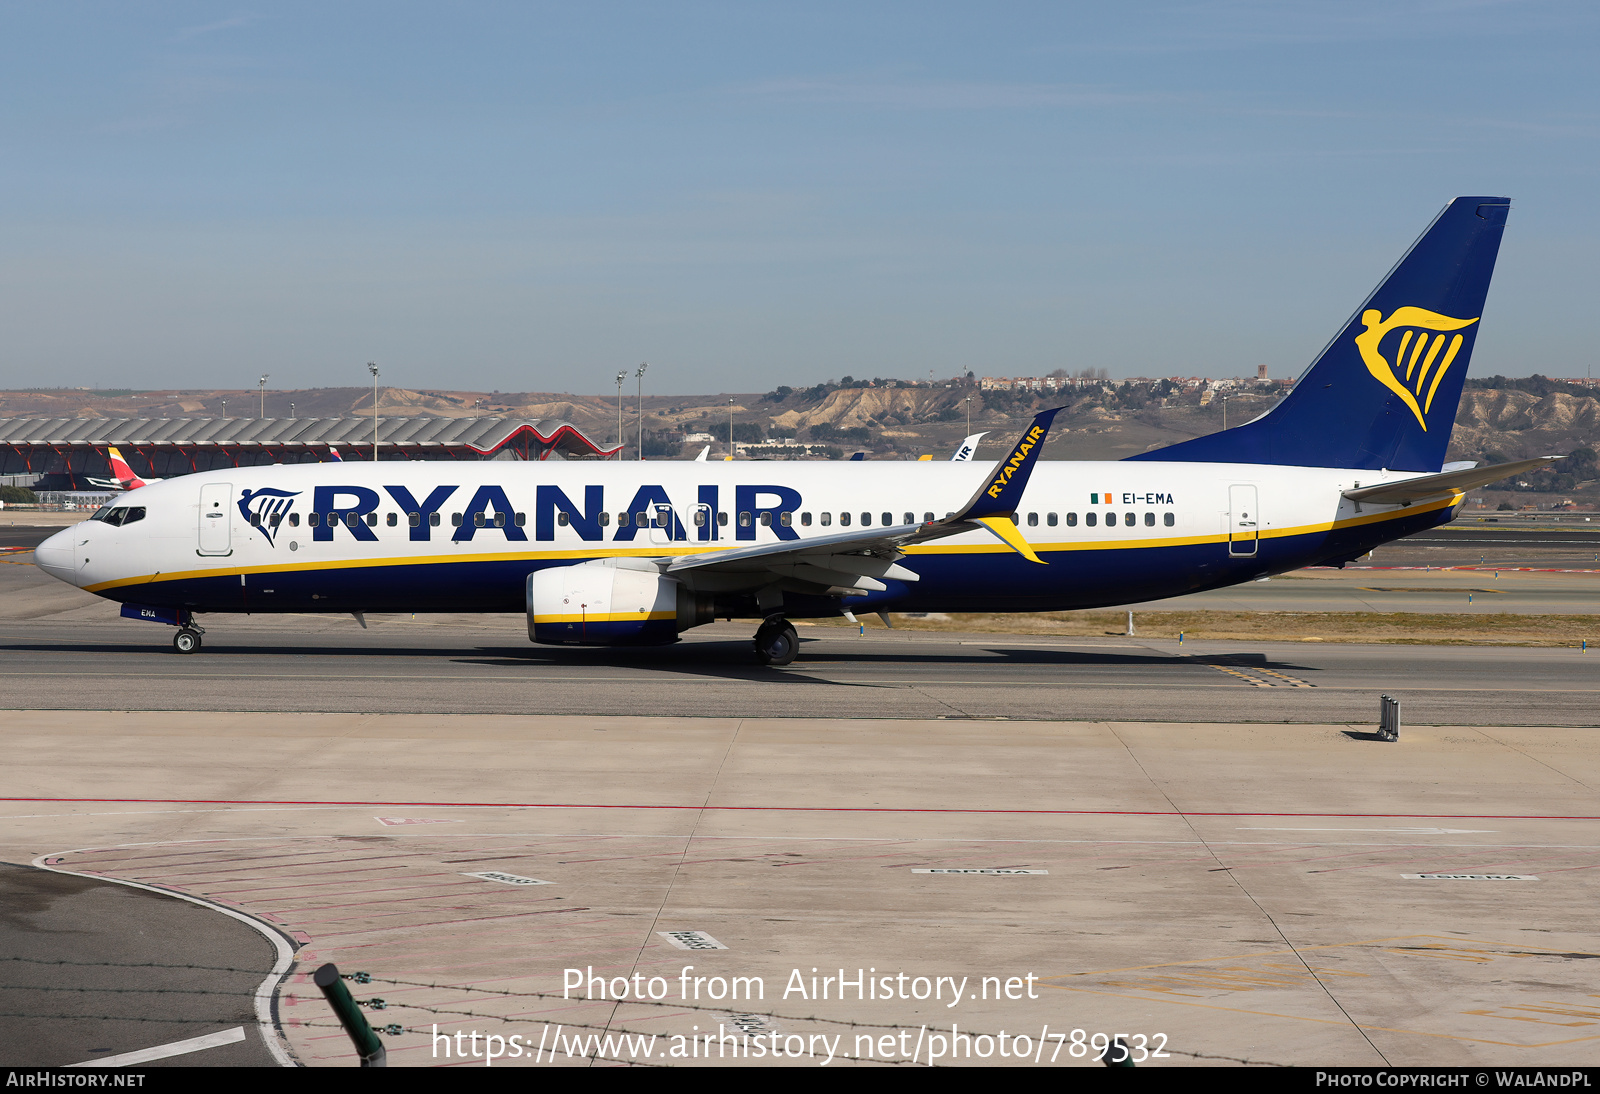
[(463, 536)]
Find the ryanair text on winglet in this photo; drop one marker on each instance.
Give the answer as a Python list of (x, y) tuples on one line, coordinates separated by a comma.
[(1018, 456)]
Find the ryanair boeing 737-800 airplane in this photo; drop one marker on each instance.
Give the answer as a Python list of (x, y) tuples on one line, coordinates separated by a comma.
[(635, 553)]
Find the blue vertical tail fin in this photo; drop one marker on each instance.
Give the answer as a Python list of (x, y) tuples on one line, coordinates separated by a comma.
[(1383, 393)]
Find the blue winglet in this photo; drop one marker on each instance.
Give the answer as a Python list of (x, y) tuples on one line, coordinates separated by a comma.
[(1002, 494)]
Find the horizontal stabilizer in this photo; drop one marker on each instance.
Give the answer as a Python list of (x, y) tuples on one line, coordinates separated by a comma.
[(1428, 487)]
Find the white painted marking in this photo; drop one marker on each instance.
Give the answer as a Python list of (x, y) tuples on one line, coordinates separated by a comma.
[(1396, 831), (507, 879), (1062, 645), (271, 1035), (392, 821), (980, 871), (691, 940), (176, 1048), (1469, 877)]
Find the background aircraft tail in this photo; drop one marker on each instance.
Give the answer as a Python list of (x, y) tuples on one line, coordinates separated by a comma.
[(1384, 392), (122, 472)]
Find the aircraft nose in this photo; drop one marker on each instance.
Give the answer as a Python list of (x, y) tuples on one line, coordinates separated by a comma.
[(54, 555)]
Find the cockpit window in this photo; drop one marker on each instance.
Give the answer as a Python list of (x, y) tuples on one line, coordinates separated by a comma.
[(122, 514)]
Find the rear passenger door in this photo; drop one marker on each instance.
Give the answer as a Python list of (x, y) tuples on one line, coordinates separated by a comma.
[(1244, 522)]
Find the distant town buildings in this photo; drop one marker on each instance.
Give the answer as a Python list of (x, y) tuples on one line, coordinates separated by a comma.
[(1176, 383)]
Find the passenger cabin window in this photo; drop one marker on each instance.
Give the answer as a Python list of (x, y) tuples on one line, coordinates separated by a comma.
[(722, 519), (1090, 519), (1072, 520), (433, 520), (786, 519), (642, 519), (888, 519), (412, 519), (826, 519), (1130, 519), (519, 519), (562, 518), (1166, 518), (372, 520), (394, 519), (622, 520), (477, 520), (911, 518), (455, 519), (744, 519), (927, 518), (866, 520), (605, 520), (844, 520), (805, 520), (352, 519), (699, 518), (1050, 519), (1149, 520), (1033, 520), (312, 520), (766, 518), (294, 520)]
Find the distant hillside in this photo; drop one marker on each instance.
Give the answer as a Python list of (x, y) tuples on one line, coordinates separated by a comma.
[(1512, 419)]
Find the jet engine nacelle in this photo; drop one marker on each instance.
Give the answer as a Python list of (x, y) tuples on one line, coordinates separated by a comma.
[(603, 604)]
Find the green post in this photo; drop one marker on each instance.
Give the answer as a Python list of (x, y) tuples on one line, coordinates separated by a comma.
[(368, 1046)]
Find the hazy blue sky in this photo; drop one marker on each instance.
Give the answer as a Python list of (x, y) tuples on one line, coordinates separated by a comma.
[(531, 196)]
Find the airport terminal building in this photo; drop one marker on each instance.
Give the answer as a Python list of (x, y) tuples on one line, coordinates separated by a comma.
[(62, 454)]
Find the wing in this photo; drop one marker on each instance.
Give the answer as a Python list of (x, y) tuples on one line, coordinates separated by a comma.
[(855, 563)]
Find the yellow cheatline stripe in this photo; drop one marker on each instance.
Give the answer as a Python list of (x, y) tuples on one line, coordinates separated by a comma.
[(600, 552), (1007, 530), (655, 551), (604, 617)]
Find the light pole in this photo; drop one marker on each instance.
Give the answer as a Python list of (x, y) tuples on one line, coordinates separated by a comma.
[(373, 368), (262, 383), (730, 429), (622, 376), (968, 401), (640, 374), (224, 408), (291, 412)]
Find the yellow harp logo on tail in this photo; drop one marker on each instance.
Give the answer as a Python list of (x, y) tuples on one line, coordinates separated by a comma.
[(1421, 357)]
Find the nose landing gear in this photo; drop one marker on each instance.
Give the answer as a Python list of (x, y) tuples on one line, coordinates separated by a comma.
[(776, 643)]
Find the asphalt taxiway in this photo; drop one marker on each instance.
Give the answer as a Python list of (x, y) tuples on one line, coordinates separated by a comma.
[(449, 667)]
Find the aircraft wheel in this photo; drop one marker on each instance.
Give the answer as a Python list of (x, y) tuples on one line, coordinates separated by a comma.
[(776, 642), (186, 641)]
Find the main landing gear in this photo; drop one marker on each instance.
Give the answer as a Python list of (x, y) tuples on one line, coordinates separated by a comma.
[(187, 640), (776, 642)]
